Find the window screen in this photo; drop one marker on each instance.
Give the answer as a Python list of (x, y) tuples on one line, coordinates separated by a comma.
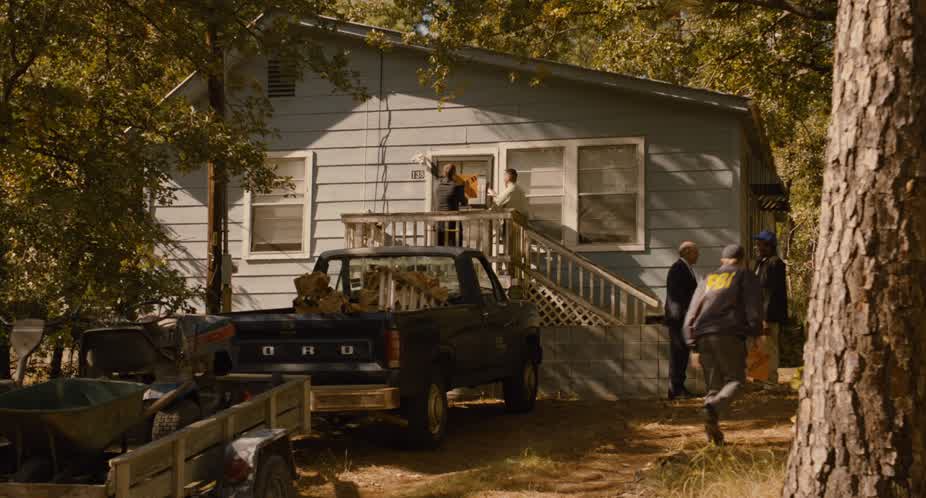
[(609, 192), (277, 222), (540, 174)]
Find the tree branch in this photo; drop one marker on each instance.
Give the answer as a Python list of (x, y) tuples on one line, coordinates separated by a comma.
[(824, 13)]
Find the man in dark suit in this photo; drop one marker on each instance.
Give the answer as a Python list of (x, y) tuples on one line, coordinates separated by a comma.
[(680, 287)]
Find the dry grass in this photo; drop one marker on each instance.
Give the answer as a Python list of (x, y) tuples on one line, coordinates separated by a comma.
[(718, 472), (528, 472)]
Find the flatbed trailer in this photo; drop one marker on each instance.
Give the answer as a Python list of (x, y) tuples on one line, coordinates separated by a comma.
[(239, 452)]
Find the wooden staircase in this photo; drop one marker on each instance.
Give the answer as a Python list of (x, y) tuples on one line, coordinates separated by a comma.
[(567, 289)]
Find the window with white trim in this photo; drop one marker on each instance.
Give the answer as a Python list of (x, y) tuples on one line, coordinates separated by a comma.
[(540, 174), (608, 190), (587, 193), (278, 221)]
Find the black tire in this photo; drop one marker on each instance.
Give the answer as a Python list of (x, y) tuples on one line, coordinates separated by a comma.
[(427, 415), (274, 479), (521, 389), (174, 418)]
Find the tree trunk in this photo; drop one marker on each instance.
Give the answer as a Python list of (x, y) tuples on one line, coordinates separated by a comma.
[(57, 356), (861, 425)]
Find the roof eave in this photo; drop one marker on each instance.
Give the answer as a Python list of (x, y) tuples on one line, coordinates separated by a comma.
[(564, 71)]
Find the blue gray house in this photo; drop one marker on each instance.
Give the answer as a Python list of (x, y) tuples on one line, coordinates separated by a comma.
[(618, 171)]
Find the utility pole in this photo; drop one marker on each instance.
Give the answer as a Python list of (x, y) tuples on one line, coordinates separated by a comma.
[(218, 179)]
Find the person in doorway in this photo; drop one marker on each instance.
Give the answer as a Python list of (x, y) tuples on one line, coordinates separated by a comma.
[(680, 287), (512, 196), (724, 312), (451, 194), (771, 271)]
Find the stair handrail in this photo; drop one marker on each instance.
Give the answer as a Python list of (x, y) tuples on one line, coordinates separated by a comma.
[(585, 263)]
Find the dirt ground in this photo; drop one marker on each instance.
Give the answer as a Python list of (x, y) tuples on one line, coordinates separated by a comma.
[(563, 448)]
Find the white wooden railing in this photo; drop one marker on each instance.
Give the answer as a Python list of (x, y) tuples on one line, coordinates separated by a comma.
[(515, 250)]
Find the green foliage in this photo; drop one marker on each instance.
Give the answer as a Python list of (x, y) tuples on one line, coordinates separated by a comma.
[(87, 144)]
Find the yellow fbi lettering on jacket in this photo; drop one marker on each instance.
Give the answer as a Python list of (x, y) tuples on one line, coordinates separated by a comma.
[(719, 281)]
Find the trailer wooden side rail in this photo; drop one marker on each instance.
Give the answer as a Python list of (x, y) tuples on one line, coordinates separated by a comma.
[(190, 458)]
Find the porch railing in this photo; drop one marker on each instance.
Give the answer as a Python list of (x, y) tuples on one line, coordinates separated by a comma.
[(514, 249)]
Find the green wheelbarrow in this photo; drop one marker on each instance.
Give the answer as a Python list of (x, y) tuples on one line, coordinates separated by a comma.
[(70, 417)]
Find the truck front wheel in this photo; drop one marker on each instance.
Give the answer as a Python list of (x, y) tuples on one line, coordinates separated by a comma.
[(427, 415), (521, 389)]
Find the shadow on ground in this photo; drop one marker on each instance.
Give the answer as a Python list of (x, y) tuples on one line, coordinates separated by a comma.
[(582, 448)]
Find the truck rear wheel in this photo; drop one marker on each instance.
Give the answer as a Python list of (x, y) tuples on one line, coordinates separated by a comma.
[(427, 415), (521, 389), (172, 419), (274, 479)]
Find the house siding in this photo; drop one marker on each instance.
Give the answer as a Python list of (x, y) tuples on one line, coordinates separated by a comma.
[(363, 151)]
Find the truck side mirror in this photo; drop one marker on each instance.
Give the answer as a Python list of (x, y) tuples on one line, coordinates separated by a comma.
[(516, 293)]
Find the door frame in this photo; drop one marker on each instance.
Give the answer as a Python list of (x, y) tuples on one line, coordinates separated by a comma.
[(457, 154)]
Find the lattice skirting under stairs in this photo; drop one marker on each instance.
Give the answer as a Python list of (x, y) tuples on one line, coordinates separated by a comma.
[(557, 310)]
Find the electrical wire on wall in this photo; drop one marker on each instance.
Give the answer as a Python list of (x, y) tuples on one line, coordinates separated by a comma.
[(384, 137)]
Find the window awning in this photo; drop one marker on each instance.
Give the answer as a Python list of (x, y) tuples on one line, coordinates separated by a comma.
[(771, 196)]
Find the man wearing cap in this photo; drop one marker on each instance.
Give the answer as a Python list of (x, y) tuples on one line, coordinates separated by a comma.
[(771, 271), (725, 310), (681, 283)]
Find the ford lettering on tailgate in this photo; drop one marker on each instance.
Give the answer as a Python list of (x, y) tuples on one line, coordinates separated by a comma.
[(297, 351)]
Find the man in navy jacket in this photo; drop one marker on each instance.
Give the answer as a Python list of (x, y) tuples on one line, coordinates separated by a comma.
[(680, 286)]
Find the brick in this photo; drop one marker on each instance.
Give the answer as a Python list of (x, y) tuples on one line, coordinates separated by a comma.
[(641, 368), (629, 333), (639, 388), (612, 351), (594, 389), (649, 351), (610, 368), (632, 351), (663, 389), (663, 351), (552, 351), (664, 369), (653, 333), (555, 376), (590, 334), (554, 334)]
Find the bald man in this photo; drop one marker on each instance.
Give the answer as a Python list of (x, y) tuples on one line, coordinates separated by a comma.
[(680, 287)]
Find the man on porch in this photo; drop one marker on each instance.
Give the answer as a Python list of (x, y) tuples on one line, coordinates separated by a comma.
[(512, 196)]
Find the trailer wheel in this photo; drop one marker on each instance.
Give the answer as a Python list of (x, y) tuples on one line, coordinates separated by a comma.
[(174, 418), (274, 479), (521, 389), (427, 415)]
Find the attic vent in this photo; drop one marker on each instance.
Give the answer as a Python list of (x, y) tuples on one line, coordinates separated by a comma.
[(281, 78)]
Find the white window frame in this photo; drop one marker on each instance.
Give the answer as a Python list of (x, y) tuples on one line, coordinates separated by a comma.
[(457, 154), (570, 216), (306, 252)]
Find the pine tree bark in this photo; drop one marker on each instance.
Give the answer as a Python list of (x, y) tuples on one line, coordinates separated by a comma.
[(861, 425)]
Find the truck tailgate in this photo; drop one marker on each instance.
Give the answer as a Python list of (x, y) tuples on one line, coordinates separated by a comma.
[(310, 343)]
